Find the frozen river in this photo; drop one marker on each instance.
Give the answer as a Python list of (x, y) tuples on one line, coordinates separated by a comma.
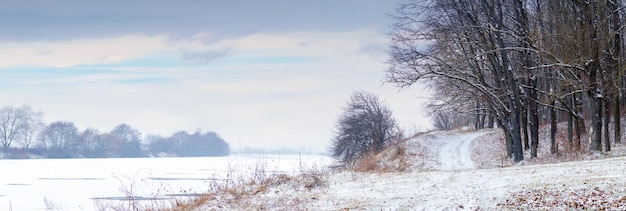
[(88, 184)]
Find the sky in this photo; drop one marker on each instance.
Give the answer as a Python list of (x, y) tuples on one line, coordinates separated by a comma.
[(262, 74)]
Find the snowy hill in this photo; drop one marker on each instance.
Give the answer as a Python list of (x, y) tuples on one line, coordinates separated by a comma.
[(437, 173)]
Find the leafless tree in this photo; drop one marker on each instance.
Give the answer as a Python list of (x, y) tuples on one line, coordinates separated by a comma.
[(462, 42), (526, 62), (60, 139), (365, 126), (18, 124), (129, 139), (35, 124)]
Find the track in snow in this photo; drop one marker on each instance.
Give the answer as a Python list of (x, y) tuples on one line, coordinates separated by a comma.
[(455, 154)]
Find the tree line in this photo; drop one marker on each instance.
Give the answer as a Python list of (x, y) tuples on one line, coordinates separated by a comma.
[(23, 133), (516, 64)]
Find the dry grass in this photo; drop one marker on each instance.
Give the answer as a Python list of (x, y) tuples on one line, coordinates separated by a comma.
[(419, 152), (191, 204), (258, 195), (396, 157), (367, 164), (238, 191), (161, 198), (256, 191)]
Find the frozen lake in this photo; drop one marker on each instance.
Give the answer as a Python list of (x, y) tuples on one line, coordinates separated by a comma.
[(82, 184)]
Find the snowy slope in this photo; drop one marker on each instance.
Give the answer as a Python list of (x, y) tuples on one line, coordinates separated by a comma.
[(453, 184)]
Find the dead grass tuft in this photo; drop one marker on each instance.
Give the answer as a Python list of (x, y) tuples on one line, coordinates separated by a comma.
[(367, 164), (398, 155), (191, 204), (391, 159), (278, 179), (260, 190), (314, 180), (405, 155)]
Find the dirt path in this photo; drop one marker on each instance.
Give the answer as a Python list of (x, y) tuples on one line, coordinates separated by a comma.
[(455, 154)]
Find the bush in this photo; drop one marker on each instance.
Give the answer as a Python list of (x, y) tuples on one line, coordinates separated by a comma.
[(366, 126)]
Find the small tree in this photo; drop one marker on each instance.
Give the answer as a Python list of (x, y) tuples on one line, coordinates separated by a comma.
[(366, 126)]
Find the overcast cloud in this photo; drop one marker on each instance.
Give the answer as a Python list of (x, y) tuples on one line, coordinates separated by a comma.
[(263, 74)]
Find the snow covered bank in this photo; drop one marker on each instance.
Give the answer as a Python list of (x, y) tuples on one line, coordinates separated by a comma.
[(445, 181)]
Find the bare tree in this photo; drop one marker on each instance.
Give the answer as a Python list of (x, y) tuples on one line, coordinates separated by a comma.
[(366, 126), (91, 145), (130, 140), (35, 123), (519, 60), (18, 125), (467, 43), (60, 139)]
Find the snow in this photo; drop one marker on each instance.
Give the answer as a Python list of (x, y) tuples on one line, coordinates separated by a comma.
[(89, 184), (447, 181), (439, 170), (455, 154)]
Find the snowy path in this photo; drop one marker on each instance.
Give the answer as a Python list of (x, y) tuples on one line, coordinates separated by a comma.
[(455, 154)]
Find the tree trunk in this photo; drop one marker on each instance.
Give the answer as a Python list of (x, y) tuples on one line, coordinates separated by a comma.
[(578, 120), (516, 140), (514, 97), (534, 117), (595, 94), (491, 120), (524, 124), (595, 134), (607, 120), (553, 128), (570, 122), (507, 139), (617, 127), (614, 64)]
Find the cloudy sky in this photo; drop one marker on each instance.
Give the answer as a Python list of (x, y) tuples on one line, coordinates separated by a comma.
[(272, 73)]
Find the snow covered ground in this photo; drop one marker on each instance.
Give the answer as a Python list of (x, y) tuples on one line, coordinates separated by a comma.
[(447, 181), (94, 184), (455, 154)]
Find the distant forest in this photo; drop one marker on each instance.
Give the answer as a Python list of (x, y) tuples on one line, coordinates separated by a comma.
[(24, 134)]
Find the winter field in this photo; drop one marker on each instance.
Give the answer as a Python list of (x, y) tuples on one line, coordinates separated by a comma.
[(442, 171), (100, 184)]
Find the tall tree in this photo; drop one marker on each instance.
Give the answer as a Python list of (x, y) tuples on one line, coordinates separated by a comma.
[(465, 42), (615, 63), (523, 59)]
